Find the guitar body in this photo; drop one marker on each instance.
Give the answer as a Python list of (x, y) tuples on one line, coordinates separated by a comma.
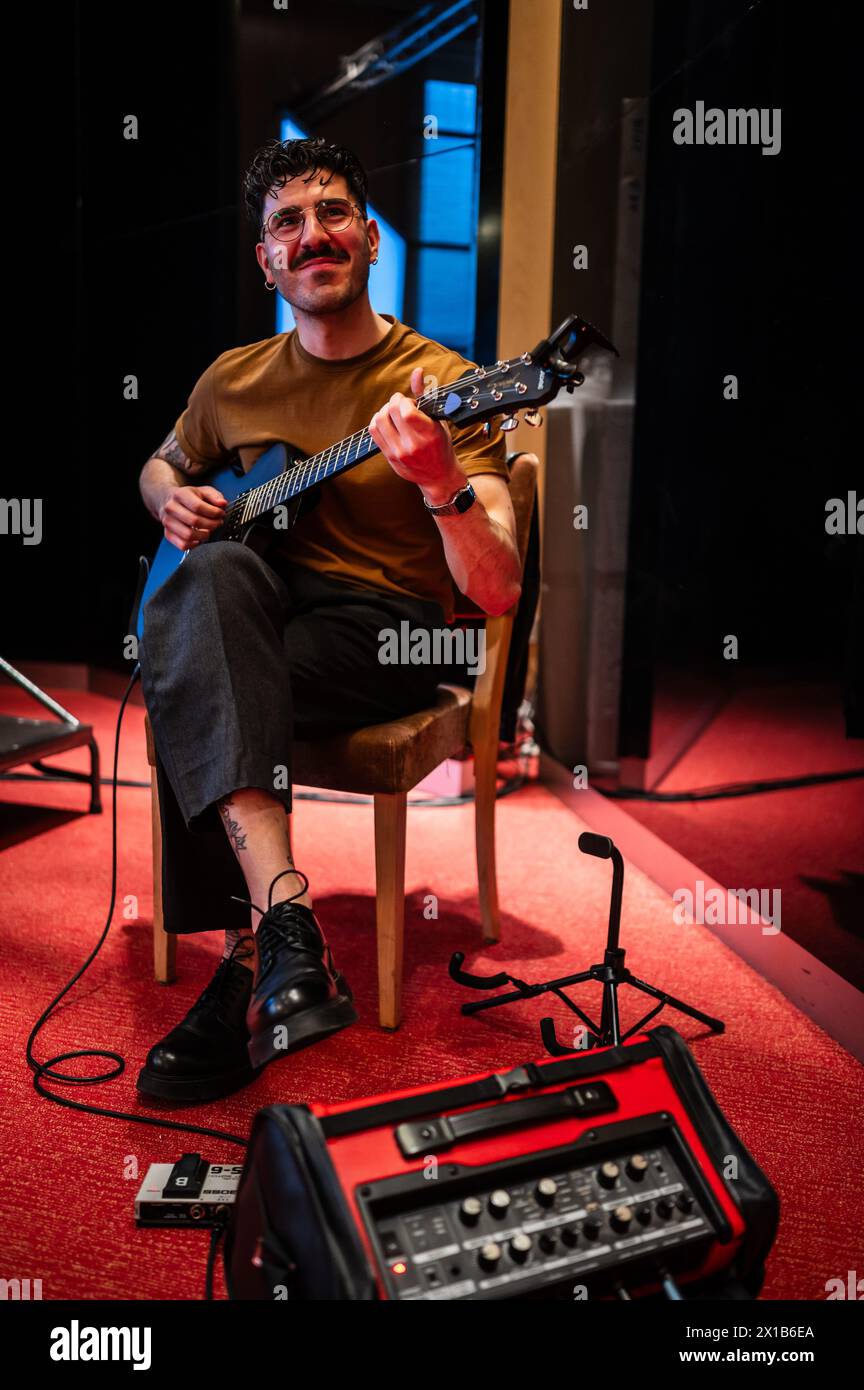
[(259, 535)]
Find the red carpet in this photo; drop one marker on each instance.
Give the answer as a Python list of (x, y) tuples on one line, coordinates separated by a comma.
[(69, 1179), (807, 842)]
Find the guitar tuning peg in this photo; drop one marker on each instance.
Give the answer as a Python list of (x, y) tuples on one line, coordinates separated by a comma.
[(532, 417), (509, 422)]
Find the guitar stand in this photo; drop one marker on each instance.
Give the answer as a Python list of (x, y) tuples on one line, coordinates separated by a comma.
[(612, 973)]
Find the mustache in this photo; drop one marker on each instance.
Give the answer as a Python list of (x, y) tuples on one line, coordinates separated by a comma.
[(317, 255)]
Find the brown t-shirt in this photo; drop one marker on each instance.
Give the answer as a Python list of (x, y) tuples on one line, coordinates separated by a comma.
[(370, 528)]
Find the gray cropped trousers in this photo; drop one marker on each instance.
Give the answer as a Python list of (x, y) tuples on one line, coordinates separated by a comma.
[(239, 656)]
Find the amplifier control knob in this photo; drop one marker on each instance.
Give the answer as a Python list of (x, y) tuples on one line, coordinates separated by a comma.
[(643, 1215), (546, 1191), (607, 1175), (520, 1247), (499, 1201), (547, 1242), (622, 1218), (591, 1227), (637, 1167), (570, 1234), (489, 1255), (685, 1201), (471, 1210), (664, 1208)]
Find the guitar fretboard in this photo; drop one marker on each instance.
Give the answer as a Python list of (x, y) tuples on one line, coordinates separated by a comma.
[(250, 506), (304, 475)]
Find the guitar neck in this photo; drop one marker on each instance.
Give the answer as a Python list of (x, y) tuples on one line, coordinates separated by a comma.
[(522, 383)]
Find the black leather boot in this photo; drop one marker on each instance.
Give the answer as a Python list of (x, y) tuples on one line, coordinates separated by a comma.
[(206, 1055), (298, 995)]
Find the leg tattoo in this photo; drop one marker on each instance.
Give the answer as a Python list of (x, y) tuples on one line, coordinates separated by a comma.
[(233, 829)]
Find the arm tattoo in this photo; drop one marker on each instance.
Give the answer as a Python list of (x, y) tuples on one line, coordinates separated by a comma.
[(170, 451), (236, 834)]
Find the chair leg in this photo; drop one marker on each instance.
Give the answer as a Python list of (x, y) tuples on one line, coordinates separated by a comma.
[(390, 817), (485, 775), (164, 943)]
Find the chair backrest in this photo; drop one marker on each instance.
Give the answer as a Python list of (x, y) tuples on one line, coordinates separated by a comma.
[(488, 693), (523, 489)]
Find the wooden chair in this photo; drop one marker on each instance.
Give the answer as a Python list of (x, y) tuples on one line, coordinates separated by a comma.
[(386, 761)]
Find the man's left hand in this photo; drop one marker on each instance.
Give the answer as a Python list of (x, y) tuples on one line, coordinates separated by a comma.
[(416, 447)]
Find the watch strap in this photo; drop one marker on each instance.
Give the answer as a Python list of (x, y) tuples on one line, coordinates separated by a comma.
[(458, 503)]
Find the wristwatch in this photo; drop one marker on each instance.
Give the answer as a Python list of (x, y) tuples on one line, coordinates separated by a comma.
[(459, 502)]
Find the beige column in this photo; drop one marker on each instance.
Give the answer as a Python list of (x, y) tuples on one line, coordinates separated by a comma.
[(528, 201)]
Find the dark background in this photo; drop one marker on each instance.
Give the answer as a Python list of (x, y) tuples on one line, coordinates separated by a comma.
[(158, 272), (748, 268)]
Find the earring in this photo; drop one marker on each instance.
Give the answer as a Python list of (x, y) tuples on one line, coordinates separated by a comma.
[(269, 284), (374, 260)]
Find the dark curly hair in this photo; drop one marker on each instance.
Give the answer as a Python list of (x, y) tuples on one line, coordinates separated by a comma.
[(280, 160)]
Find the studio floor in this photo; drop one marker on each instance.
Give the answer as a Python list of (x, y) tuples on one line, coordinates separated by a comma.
[(806, 842), (69, 1179)]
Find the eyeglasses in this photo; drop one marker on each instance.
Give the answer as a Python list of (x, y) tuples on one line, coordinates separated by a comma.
[(334, 215)]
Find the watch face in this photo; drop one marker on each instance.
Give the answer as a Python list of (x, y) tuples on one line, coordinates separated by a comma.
[(464, 499)]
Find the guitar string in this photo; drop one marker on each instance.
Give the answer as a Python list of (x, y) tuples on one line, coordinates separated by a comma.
[(250, 499), (321, 459)]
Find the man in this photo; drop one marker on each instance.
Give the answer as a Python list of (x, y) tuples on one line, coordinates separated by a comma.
[(240, 654)]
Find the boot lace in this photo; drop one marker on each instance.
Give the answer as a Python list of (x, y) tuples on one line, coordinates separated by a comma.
[(292, 932)]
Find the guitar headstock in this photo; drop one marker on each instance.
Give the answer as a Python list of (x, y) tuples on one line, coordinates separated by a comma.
[(522, 383)]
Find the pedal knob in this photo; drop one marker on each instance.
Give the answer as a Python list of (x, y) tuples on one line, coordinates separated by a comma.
[(685, 1201), (545, 1191), (637, 1167), (499, 1201), (471, 1210), (664, 1208), (570, 1235), (591, 1227), (520, 1247), (608, 1174), (547, 1242), (489, 1255), (622, 1218)]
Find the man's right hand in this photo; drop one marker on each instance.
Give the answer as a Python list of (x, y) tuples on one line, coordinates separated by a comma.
[(190, 514)]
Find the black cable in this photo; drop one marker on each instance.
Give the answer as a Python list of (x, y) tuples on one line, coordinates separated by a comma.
[(346, 799), (355, 799), (732, 789), (514, 784), (45, 1068), (64, 775), (216, 1235)]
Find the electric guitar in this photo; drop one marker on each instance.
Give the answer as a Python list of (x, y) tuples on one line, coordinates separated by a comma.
[(281, 484)]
